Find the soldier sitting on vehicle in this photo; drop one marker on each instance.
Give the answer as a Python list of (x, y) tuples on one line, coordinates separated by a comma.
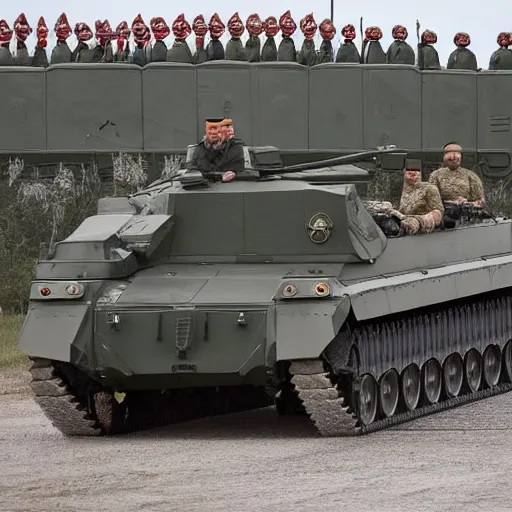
[(418, 197), (420, 210), (214, 154), (421, 203), (455, 183), (394, 223)]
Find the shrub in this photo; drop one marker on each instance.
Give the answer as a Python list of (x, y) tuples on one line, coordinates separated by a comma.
[(40, 205)]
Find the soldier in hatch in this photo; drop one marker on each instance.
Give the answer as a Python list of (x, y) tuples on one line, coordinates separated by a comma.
[(215, 154), (418, 197), (455, 183), (229, 132)]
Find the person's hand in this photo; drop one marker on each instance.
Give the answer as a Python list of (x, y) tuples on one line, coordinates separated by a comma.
[(461, 200), (228, 176), (479, 203), (437, 216)]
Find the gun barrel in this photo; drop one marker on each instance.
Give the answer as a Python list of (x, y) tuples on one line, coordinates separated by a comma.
[(340, 160)]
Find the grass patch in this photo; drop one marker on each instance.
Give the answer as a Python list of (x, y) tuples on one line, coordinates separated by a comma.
[(10, 356)]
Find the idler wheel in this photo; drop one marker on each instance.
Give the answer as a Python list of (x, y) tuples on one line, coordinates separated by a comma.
[(431, 381), (367, 399), (472, 370), (389, 392), (453, 375), (507, 361), (492, 365), (411, 386)]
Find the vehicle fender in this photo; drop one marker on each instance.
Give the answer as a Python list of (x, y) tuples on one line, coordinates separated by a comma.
[(58, 331), (304, 328), (396, 294)]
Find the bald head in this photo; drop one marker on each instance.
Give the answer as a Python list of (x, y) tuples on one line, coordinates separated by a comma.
[(452, 156)]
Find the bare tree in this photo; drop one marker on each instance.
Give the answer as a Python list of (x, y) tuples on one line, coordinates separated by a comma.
[(37, 210)]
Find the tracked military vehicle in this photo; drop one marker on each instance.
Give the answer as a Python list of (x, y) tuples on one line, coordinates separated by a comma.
[(196, 297)]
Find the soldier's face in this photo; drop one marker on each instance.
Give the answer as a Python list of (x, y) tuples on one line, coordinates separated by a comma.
[(462, 40), (452, 156), (229, 131), (412, 177), (254, 25), (213, 134), (349, 32)]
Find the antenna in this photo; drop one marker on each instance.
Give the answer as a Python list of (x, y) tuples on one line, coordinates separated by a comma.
[(332, 11)]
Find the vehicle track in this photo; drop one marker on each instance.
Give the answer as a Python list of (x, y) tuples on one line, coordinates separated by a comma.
[(59, 403), (328, 408), (78, 412), (332, 415), (383, 349)]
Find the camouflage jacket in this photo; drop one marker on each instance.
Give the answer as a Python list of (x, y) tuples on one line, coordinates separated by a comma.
[(461, 182), (410, 224), (420, 199)]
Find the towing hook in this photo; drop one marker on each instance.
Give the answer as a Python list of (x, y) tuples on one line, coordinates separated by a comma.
[(242, 320)]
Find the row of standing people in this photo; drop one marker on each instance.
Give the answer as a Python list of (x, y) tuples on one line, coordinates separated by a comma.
[(144, 52)]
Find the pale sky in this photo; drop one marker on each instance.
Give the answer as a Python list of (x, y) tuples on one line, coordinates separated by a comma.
[(483, 21)]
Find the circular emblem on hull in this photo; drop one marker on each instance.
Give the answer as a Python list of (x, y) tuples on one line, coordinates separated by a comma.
[(319, 228)]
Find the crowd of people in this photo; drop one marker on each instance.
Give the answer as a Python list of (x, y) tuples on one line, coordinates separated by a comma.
[(149, 46)]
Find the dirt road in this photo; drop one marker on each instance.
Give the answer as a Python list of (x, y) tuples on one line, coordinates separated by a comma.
[(259, 462)]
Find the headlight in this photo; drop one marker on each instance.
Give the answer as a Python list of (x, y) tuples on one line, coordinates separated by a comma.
[(73, 289), (53, 290), (289, 290), (307, 288), (322, 289)]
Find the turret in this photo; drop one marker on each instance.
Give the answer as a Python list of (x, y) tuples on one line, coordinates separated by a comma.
[(187, 218)]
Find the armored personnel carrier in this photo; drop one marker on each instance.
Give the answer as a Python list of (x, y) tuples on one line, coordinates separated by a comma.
[(196, 297)]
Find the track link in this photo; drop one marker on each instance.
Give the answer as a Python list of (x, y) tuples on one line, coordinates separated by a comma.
[(98, 413), (59, 403), (329, 410)]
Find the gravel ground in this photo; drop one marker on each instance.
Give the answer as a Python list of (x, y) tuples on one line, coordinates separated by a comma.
[(257, 461)]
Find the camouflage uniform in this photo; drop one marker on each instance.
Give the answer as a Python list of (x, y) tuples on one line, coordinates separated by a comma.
[(420, 199), (458, 183), (419, 224), (379, 207), (409, 224)]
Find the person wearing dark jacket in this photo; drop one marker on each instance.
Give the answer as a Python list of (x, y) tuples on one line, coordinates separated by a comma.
[(233, 160), (218, 152), (229, 131)]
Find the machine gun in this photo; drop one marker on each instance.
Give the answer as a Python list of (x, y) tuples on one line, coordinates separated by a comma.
[(464, 214)]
